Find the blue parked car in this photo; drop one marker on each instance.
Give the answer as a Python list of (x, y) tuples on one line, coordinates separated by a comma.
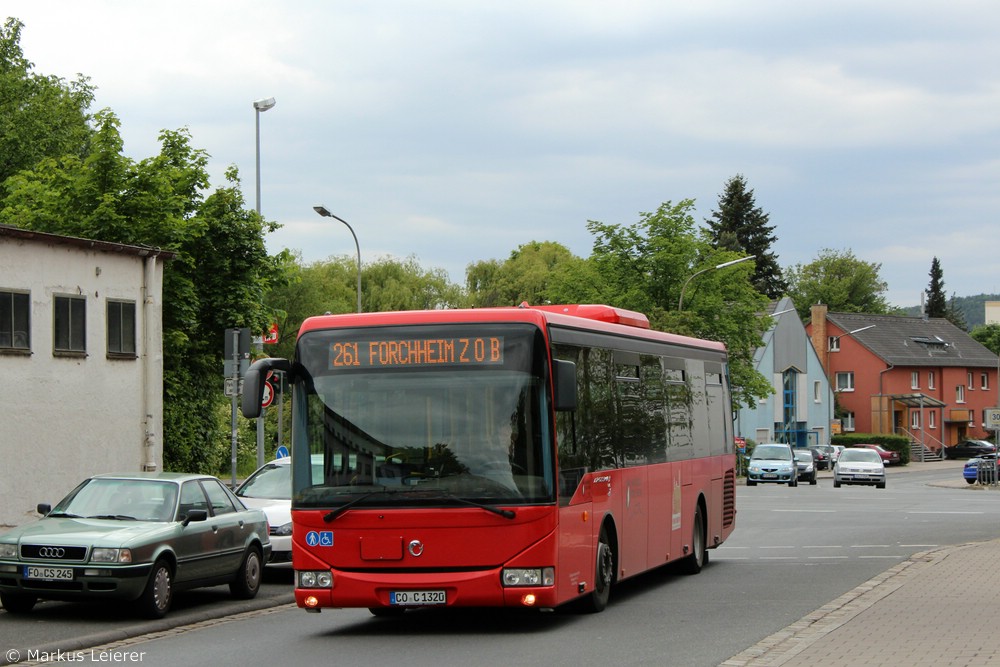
[(980, 468), (772, 462)]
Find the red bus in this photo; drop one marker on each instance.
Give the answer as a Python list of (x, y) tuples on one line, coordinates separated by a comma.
[(500, 457)]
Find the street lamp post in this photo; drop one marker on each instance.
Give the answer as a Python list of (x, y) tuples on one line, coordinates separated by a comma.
[(322, 210), (680, 301), (260, 106)]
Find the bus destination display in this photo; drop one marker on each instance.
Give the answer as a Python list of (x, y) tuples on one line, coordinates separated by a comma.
[(459, 351)]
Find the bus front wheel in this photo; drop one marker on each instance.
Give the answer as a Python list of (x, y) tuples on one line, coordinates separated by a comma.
[(604, 575)]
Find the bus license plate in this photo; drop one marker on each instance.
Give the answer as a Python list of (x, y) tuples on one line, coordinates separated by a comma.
[(49, 573), (417, 597)]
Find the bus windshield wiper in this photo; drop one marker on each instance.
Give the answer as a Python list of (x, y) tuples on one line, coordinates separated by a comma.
[(333, 514), (507, 514)]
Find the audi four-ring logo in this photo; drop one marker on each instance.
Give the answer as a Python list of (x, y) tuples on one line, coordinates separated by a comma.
[(51, 552)]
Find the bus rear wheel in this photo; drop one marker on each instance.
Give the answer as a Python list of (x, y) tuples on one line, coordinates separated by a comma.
[(699, 552)]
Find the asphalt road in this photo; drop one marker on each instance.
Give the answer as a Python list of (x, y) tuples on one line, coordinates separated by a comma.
[(793, 551)]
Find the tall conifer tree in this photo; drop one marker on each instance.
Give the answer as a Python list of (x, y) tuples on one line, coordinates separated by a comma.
[(937, 304), (740, 225)]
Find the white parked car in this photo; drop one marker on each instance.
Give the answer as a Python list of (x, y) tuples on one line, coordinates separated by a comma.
[(269, 489), (859, 465)]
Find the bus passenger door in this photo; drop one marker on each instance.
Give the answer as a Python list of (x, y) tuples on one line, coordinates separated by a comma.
[(577, 537)]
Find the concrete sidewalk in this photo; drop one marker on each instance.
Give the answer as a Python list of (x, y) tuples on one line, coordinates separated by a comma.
[(938, 608)]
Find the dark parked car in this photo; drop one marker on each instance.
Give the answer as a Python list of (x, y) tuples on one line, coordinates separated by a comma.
[(980, 469), (968, 448), (824, 456), (889, 456), (135, 537), (806, 463)]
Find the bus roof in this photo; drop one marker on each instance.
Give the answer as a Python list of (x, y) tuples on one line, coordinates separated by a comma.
[(593, 317)]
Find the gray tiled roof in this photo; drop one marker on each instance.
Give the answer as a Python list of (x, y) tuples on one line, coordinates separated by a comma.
[(914, 341)]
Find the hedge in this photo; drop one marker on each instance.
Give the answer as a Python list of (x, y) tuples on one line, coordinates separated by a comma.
[(897, 443)]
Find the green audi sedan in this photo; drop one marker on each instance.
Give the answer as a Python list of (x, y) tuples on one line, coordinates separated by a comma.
[(135, 537)]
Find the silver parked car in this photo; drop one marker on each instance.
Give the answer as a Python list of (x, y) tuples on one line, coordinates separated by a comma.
[(859, 465), (135, 537), (772, 462)]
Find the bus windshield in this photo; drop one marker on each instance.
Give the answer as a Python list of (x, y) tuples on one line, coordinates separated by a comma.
[(418, 416)]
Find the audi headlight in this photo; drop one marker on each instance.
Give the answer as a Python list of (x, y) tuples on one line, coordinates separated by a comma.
[(8, 550), (543, 576), (315, 578), (108, 555)]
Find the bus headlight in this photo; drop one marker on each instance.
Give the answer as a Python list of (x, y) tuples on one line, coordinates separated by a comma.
[(314, 579), (538, 576)]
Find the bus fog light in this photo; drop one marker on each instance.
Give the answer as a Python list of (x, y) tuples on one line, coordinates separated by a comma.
[(544, 576)]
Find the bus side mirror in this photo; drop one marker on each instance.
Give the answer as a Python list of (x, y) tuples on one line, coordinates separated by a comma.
[(253, 384), (564, 385)]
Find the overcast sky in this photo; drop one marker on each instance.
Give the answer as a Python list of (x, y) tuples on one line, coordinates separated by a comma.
[(455, 131)]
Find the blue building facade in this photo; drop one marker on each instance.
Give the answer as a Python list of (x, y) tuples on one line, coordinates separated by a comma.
[(800, 409)]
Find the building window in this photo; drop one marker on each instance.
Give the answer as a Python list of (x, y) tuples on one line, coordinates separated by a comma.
[(968, 381), (915, 421), (915, 380), (848, 421), (15, 334), (833, 344), (931, 419), (817, 392), (960, 394), (984, 381), (930, 379), (70, 324), (845, 381), (121, 328)]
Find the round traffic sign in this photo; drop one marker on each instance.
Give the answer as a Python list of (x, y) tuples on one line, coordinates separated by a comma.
[(268, 397)]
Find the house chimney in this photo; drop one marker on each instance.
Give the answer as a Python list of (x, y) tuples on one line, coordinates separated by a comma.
[(817, 320)]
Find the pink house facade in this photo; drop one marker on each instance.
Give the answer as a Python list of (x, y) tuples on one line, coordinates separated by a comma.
[(923, 378)]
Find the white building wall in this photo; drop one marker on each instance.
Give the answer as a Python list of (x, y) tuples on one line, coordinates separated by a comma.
[(64, 418), (992, 312)]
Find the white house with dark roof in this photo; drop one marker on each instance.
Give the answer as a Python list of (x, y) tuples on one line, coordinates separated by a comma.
[(81, 354)]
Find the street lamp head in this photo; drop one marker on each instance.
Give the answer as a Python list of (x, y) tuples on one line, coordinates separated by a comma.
[(322, 211), (264, 104)]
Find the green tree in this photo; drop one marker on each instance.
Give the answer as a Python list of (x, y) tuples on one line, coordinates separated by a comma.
[(40, 116), (330, 286), (741, 226), (524, 276), (644, 266), (841, 281), (937, 305), (989, 336)]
